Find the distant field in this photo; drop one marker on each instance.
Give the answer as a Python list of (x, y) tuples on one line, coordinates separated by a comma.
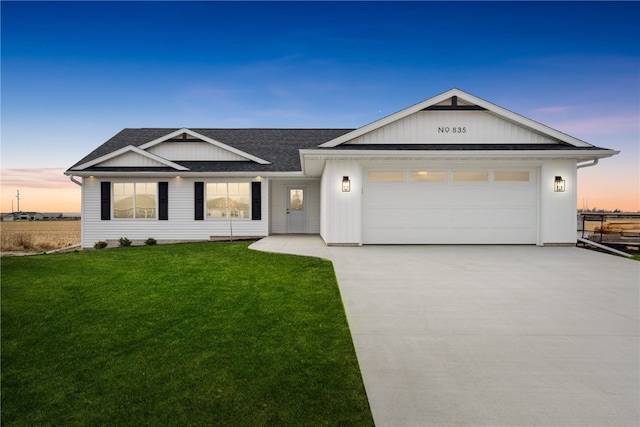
[(35, 236)]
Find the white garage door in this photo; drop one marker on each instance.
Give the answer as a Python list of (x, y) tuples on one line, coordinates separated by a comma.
[(449, 206)]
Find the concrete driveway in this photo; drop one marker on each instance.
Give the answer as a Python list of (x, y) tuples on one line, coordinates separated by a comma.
[(490, 335)]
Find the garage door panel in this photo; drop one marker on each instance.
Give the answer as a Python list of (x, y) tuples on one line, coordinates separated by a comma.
[(471, 217), (484, 212), (428, 217), (514, 217), (383, 197), (513, 196), (387, 217)]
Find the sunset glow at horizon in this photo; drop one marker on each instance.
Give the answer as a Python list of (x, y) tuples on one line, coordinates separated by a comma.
[(76, 73)]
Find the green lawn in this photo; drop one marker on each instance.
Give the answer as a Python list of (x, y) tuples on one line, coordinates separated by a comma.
[(177, 335)]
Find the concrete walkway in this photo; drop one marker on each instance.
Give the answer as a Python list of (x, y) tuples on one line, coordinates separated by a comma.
[(489, 335)]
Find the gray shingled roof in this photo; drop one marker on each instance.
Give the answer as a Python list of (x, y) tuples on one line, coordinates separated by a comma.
[(280, 147)]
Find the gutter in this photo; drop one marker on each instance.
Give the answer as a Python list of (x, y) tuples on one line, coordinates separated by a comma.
[(587, 165), (74, 180)]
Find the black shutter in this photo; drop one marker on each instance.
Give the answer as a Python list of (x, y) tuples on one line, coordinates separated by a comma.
[(199, 201), (163, 201), (256, 201), (105, 200)]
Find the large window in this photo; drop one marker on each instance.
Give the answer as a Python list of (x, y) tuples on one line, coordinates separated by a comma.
[(137, 200), (228, 200)]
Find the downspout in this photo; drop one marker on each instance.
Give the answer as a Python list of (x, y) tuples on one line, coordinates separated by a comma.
[(74, 180), (587, 165)]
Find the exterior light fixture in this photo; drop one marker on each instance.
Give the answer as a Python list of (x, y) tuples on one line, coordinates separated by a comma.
[(346, 184), (558, 185)]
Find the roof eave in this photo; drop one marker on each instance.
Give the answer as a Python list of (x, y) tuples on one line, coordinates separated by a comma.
[(459, 154)]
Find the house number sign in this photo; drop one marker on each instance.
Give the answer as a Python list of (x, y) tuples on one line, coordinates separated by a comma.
[(447, 129)]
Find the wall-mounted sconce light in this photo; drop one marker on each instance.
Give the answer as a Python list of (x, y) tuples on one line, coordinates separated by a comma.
[(558, 185), (346, 184)]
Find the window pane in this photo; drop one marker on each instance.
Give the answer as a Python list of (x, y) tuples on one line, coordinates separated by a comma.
[(123, 204), (217, 200), (424, 176), (296, 199), (239, 200), (386, 176), (510, 176), (145, 202), (470, 176)]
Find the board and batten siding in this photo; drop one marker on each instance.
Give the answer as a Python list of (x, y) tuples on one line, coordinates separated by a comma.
[(558, 210), (341, 212), (452, 127), (180, 226), (278, 200)]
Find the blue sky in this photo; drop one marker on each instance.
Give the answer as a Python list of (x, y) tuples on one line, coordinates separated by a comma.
[(75, 73)]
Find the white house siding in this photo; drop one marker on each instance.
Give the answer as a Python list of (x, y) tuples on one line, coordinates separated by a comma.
[(180, 226), (452, 127), (341, 213), (278, 201), (558, 210), (203, 151)]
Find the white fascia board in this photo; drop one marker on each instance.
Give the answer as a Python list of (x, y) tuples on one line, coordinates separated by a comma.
[(388, 119), (131, 148), (519, 119), (186, 175), (581, 155), (206, 139), (499, 111)]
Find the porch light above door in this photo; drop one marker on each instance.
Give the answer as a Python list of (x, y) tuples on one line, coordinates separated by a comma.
[(346, 184), (558, 185)]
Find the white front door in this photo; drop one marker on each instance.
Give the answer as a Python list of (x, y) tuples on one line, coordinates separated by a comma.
[(296, 209)]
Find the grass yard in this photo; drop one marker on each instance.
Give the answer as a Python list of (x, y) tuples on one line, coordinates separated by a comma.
[(177, 335)]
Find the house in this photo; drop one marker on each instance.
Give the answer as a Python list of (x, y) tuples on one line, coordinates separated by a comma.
[(453, 169), (23, 216)]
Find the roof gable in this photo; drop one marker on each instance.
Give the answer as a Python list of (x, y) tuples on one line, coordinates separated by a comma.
[(455, 117), (185, 144), (131, 156)]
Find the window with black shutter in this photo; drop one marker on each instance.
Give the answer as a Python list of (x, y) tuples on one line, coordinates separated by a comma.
[(199, 201), (256, 201), (105, 200), (163, 201)]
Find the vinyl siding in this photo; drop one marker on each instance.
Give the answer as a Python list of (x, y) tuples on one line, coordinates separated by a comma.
[(201, 151), (130, 160), (179, 227)]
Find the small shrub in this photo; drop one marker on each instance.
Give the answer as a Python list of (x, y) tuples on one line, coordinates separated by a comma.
[(100, 245), (150, 241), (124, 242)]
